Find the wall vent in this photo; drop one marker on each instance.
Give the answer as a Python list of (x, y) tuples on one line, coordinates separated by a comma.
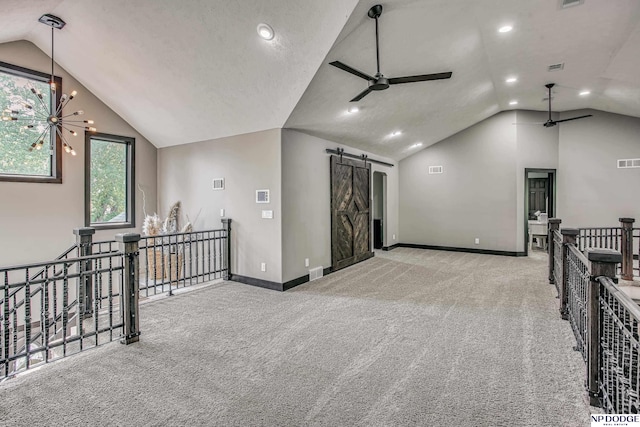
[(315, 273), (217, 184), (556, 67), (569, 3), (262, 196), (628, 163), (435, 169)]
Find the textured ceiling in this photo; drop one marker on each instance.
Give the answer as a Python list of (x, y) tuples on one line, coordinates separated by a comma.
[(188, 70), (193, 70), (599, 42)]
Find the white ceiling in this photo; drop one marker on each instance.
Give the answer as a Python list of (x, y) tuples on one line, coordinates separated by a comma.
[(193, 70), (599, 42)]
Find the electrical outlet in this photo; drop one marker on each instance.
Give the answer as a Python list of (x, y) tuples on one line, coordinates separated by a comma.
[(477, 241), (263, 266), (221, 212), (306, 262)]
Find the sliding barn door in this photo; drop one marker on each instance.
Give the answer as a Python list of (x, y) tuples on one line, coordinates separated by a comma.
[(350, 214)]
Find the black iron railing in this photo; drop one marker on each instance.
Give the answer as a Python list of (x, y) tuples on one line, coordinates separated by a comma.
[(52, 309), (556, 262), (577, 287), (619, 379), (42, 317), (178, 260), (600, 237), (636, 251)]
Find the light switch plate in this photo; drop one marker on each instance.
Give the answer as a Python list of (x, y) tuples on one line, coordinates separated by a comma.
[(221, 212), (267, 214)]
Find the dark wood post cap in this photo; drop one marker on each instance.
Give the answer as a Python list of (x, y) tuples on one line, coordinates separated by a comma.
[(604, 255), (569, 231), (127, 237), (554, 221), (627, 220), (84, 231)]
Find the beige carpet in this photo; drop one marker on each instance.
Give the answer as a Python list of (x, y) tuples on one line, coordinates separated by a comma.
[(410, 337)]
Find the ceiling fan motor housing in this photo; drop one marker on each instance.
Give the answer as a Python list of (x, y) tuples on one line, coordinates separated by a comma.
[(380, 83)]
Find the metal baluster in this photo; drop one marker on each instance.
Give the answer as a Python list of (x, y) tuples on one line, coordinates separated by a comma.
[(27, 317), (45, 315), (98, 295), (5, 318), (65, 307), (111, 298)]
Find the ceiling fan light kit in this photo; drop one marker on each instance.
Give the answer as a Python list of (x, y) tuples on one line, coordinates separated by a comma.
[(380, 82)]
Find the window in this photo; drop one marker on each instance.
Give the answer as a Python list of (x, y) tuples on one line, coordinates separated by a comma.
[(19, 161), (109, 181)]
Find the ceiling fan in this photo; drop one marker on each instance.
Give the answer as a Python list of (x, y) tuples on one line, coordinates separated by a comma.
[(380, 82), (550, 123)]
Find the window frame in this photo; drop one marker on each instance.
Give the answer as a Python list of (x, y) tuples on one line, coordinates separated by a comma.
[(130, 143), (55, 176)]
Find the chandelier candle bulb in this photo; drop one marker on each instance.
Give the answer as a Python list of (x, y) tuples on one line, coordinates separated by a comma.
[(51, 122)]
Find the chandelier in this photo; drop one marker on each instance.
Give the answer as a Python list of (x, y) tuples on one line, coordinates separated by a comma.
[(35, 114)]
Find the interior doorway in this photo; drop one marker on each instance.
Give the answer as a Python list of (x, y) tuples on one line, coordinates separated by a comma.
[(379, 203), (539, 206)]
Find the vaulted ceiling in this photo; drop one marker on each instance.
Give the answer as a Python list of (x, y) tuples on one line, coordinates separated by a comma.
[(193, 70)]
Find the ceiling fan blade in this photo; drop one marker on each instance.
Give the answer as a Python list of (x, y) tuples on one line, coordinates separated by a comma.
[(362, 95), (421, 78), (351, 70), (573, 118), (528, 123)]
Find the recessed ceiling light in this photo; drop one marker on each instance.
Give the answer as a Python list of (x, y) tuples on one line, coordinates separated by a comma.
[(511, 80), (416, 145), (265, 31), (396, 133), (513, 103), (585, 92), (352, 110), (505, 29)]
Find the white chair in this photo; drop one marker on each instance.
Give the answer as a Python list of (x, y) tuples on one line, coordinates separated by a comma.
[(539, 230)]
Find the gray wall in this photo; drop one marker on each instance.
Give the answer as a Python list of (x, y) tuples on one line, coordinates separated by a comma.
[(537, 148), (248, 163), (476, 195), (38, 219), (306, 215), (592, 190)]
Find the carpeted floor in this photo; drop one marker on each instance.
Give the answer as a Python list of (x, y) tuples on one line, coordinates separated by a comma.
[(410, 337)]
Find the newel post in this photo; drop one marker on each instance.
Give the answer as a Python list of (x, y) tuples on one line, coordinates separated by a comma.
[(84, 241), (603, 263), (554, 225), (226, 225), (128, 246), (627, 248), (569, 237)]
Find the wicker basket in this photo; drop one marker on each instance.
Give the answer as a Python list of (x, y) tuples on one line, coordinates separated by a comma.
[(154, 264), (173, 265)]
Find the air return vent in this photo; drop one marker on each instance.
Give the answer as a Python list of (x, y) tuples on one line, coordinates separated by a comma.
[(556, 67), (217, 184), (569, 3), (435, 169), (628, 163), (315, 273)]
